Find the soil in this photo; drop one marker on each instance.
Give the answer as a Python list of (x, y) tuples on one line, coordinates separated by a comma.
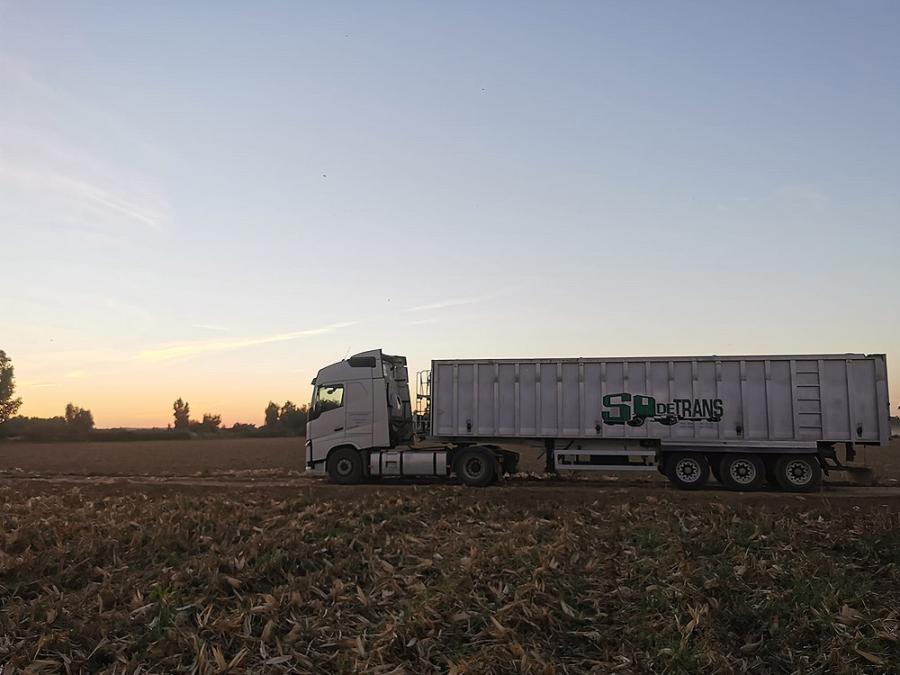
[(274, 466)]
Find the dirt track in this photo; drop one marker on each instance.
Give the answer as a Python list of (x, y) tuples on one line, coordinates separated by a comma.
[(246, 485), (274, 467)]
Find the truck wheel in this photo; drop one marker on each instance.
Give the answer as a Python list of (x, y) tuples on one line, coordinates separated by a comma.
[(345, 466), (687, 470), (798, 473), (476, 467), (742, 472), (714, 470)]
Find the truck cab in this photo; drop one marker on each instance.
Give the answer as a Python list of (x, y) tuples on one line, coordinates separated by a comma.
[(361, 403)]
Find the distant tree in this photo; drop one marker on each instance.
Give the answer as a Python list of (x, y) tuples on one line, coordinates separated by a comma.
[(8, 404), (242, 427), (210, 422), (37, 428), (272, 415), (293, 418), (79, 419), (182, 414)]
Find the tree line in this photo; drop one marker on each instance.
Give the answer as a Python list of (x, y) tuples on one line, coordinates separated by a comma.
[(77, 423), (280, 420)]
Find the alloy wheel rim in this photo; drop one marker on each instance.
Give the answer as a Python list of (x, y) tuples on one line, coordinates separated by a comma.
[(688, 470), (742, 471), (798, 472)]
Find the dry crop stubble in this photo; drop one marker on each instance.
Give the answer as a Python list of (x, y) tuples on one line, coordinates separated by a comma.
[(444, 579)]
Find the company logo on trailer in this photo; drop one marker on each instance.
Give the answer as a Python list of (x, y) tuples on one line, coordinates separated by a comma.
[(635, 409)]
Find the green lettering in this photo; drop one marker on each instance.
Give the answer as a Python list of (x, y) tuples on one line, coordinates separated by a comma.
[(623, 410), (719, 408), (644, 406)]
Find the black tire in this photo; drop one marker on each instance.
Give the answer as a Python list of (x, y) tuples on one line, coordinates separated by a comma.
[(345, 466), (476, 467), (798, 473), (687, 470), (742, 471), (714, 470)]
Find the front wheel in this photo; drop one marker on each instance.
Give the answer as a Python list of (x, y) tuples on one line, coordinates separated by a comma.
[(687, 470), (798, 473), (345, 466)]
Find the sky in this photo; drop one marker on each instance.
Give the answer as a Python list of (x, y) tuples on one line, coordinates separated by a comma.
[(212, 200)]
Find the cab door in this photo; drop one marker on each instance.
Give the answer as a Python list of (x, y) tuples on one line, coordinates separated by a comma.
[(328, 419), (359, 402)]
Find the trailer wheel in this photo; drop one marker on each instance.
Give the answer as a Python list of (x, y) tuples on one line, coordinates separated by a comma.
[(687, 470), (475, 467), (798, 473), (742, 472), (345, 466)]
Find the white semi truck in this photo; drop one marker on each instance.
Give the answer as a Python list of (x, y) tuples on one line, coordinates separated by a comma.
[(748, 420)]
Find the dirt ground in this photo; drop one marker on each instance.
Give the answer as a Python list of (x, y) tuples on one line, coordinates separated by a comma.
[(276, 455), (275, 466), (156, 458)]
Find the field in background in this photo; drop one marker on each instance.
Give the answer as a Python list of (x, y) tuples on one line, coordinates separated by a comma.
[(274, 455), (158, 458)]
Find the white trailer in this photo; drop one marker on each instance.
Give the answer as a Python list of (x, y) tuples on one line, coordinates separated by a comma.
[(745, 419)]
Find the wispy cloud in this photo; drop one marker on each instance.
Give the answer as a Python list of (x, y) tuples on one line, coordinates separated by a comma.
[(419, 322), (457, 302), (36, 385), (804, 195), (442, 304), (74, 192), (210, 326), (189, 349), (138, 315), (55, 174)]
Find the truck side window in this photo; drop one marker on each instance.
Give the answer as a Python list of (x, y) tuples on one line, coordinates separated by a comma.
[(330, 396)]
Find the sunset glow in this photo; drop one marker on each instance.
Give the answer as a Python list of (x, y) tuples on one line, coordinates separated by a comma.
[(206, 211)]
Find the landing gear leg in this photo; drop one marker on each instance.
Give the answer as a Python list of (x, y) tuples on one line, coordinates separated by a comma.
[(549, 457)]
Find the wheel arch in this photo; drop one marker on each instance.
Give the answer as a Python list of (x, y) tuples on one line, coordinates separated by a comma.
[(341, 446)]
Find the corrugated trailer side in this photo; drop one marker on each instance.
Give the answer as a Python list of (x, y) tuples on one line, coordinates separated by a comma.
[(702, 400)]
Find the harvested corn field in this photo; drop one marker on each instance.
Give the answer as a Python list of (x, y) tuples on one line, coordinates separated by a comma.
[(444, 579)]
